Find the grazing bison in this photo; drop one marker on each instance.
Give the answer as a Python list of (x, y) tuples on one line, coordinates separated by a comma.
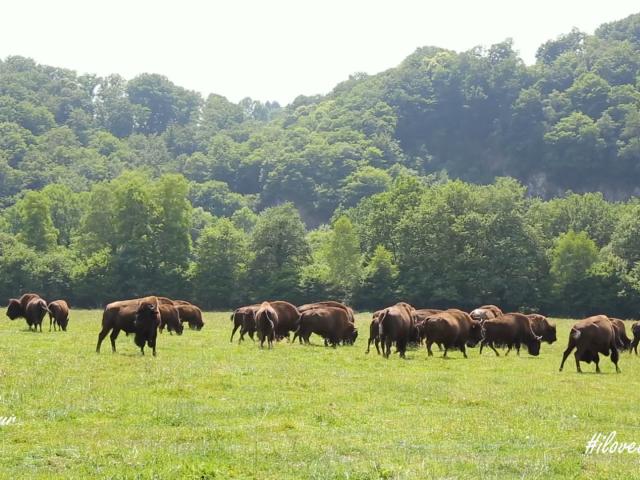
[(452, 328), (590, 337), (395, 324), (244, 318), (17, 307), (542, 327), (170, 318), (510, 330), (266, 323), (146, 324), (486, 312), (191, 314), (122, 315), (624, 342), (331, 323), (58, 315)]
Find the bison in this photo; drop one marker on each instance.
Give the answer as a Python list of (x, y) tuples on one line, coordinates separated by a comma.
[(17, 308), (624, 342), (543, 328), (58, 315), (374, 332), (190, 313), (122, 315), (35, 312), (266, 323), (511, 330), (244, 318), (590, 337), (331, 323), (453, 329), (146, 324), (170, 318), (395, 324), (635, 329), (329, 303), (486, 312)]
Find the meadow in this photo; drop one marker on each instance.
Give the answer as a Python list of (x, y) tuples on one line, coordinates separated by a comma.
[(206, 408)]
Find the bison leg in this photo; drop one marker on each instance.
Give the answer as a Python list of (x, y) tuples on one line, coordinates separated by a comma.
[(376, 342), (429, 352), (446, 349), (439, 346), (463, 349), (577, 355), (112, 337), (152, 344), (233, 332), (566, 353), (101, 336), (614, 358), (494, 349)]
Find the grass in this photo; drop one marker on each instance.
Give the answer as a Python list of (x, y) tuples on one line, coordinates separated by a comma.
[(205, 408)]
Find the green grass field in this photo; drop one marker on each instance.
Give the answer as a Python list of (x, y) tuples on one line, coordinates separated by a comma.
[(206, 408)]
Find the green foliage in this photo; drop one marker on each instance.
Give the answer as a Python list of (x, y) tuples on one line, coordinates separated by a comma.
[(35, 223), (379, 281)]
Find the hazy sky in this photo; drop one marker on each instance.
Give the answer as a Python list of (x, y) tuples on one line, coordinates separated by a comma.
[(276, 49)]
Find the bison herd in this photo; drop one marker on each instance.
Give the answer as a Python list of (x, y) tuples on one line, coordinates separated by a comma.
[(399, 325)]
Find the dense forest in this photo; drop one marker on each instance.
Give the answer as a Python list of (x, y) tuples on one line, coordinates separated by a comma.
[(447, 180)]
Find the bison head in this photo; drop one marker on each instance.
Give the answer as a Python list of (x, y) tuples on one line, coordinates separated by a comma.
[(14, 309), (63, 323), (550, 334), (475, 333)]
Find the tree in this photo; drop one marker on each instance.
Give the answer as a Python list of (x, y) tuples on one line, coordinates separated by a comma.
[(344, 258), (36, 225), (219, 270), (280, 250), (379, 282)]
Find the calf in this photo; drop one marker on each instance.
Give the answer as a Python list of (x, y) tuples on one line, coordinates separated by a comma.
[(590, 337), (58, 315), (170, 318)]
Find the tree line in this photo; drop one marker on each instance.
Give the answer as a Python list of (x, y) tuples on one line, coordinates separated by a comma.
[(569, 121), (430, 241)]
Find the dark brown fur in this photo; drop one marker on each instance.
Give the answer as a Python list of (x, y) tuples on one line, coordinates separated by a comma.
[(170, 318), (590, 337), (58, 315), (395, 324), (331, 323), (452, 328), (543, 327), (511, 330)]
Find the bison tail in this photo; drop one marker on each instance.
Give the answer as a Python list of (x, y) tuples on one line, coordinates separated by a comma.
[(381, 318), (575, 334)]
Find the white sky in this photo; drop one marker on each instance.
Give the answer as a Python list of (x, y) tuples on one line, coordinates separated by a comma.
[(276, 49)]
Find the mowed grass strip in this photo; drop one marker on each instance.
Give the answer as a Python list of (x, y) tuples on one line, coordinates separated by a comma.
[(206, 408)]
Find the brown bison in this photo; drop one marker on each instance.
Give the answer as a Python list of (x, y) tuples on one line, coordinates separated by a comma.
[(374, 332), (395, 324), (244, 318), (190, 313), (510, 330), (17, 308), (486, 312), (331, 323), (35, 312), (58, 315), (542, 327), (624, 342), (452, 328), (329, 303), (590, 337), (123, 315), (146, 325), (170, 318), (266, 323)]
